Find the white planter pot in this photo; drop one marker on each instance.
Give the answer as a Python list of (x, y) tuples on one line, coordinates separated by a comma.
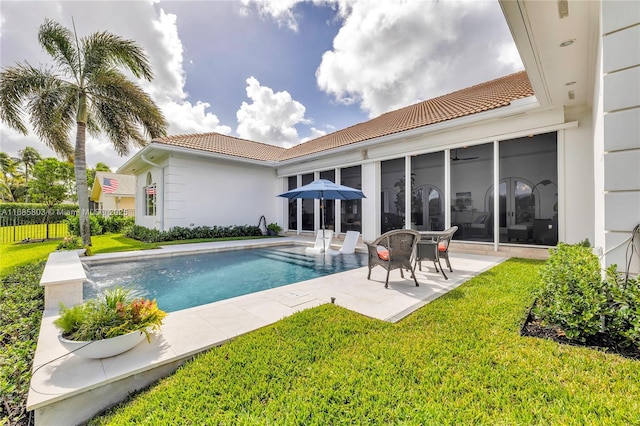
[(103, 348)]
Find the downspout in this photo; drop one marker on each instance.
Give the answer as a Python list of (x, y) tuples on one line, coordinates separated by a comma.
[(151, 163)]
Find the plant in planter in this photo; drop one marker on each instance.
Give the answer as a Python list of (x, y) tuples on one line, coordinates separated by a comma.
[(116, 322), (273, 228)]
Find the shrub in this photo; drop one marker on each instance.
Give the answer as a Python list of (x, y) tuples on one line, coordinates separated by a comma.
[(623, 313), (274, 228), (114, 223), (73, 225), (141, 233), (70, 243), (114, 314), (573, 295), (199, 232), (35, 213)]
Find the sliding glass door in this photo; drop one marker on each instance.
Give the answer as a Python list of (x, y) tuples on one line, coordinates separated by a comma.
[(528, 190), (351, 210), (427, 182), (307, 206), (471, 177)]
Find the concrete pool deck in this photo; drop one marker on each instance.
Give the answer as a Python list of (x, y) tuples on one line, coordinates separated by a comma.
[(67, 389)]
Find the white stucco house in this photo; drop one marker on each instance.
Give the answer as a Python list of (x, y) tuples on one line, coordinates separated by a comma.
[(560, 141)]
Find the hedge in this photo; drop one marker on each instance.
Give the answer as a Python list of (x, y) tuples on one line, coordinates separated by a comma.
[(147, 235), (35, 213)]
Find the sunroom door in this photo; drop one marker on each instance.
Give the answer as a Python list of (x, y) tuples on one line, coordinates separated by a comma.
[(517, 206)]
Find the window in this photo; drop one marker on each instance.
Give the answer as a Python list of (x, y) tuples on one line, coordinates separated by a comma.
[(150, 194), (292, 183), (351, 214)]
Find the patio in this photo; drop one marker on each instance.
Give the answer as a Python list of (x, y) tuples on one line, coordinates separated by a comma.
[(69, 389)]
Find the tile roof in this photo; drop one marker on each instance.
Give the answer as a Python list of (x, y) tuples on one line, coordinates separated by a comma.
[(481, 97), (223, 144)]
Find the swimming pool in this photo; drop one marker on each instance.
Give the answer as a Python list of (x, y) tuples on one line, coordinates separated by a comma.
[(185, 281)]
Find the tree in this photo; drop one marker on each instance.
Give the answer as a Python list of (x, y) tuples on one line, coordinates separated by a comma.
[(8, 170), (7, 165), (48, 184), (29, 157), (90, 91), (91, 173)]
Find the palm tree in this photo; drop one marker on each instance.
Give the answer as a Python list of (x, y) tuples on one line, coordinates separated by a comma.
[(91, 173), (89, 90), (7, 165), (29, 157)]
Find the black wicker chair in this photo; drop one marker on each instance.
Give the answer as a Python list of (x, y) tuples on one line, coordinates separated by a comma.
[(396, 253), (434, 248)]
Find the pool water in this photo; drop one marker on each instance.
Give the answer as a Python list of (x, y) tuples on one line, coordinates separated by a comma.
[(185, 281)]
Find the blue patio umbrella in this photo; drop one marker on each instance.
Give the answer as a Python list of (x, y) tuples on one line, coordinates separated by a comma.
[(324, 189)]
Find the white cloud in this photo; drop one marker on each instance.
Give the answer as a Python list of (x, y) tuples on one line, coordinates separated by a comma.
[(168, 85), (154, 30), (168, 61), (391, 54), (188, 118), (271, 117), (315, 133), (280, 10)]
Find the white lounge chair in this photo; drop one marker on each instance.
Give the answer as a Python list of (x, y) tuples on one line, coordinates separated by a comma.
[(348, 245), (323, 242)]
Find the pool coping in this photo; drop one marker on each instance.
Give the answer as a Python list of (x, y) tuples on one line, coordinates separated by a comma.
[(68, 389)]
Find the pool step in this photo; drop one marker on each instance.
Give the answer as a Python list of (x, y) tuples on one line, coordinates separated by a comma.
[(288, 257)]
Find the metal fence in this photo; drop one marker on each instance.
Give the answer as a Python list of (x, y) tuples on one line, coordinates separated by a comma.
[(15, 228)]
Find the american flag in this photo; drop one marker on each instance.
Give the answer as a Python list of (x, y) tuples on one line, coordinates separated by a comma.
[(109, 186), (151, 190)]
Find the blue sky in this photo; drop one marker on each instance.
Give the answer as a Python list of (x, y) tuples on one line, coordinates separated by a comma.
[(279, 72)]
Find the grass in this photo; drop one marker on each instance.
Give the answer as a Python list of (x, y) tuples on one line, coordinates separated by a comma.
[(13, 255), (458, 360), (21, 304)]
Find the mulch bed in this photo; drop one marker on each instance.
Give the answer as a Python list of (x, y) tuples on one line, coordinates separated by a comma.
[(532, 327)]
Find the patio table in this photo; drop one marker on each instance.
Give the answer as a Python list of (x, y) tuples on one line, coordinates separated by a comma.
[(427, 249)]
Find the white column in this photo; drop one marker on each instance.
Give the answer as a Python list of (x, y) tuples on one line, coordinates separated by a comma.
[(407, 192), (299, 209), (337, 206), (371, 204), (496, 195), (447, 188)]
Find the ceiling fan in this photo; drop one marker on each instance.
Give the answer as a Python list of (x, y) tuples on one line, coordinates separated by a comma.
[(455, 156)]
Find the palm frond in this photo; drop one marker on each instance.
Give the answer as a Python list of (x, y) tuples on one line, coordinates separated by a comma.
[(58, 41), (118, 124), (105, 50), (110, 86), (92, 127), (52, 112), (17, 85)]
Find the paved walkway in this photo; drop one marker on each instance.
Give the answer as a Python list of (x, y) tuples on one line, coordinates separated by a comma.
[(190, 331)]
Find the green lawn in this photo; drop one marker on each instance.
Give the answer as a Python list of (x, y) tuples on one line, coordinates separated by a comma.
[(458, 360), (17, 254)]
